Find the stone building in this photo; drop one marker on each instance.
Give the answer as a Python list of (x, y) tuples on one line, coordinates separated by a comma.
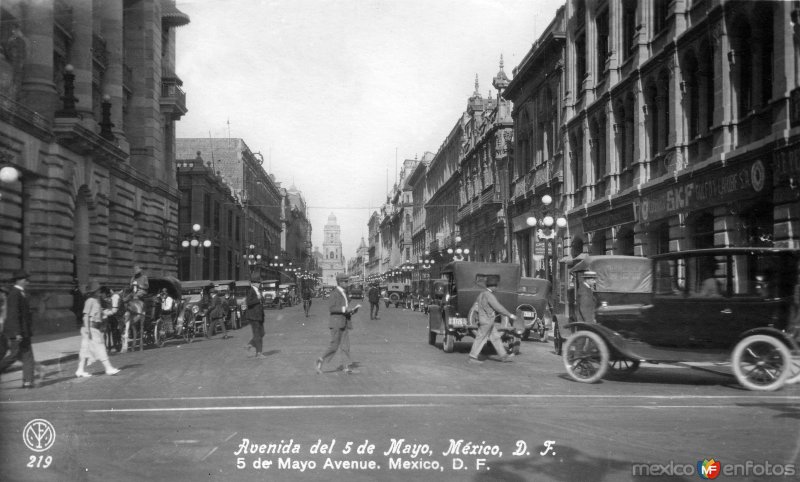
[(257, 192), (374, 264), (536, 170), (208, 213), (680, 127), (332, 262), (89, 98), (417, 183), (296, 231), (481, 216)]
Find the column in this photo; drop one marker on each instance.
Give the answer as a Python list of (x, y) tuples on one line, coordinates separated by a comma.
[(38, 90), (80, 56), (112, 31)]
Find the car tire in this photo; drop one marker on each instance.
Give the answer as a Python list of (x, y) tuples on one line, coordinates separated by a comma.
[(448, 342), (761, 362), (586, 357)]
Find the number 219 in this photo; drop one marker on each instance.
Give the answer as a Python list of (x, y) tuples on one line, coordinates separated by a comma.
[(40, 461)]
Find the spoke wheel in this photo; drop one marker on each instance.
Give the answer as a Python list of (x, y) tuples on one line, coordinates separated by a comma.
[(794, 373), (449, 342), (586, 357), (761, 362), (158, 334), (623, 366)]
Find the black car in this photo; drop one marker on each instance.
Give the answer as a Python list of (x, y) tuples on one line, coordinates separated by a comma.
[(710, 305)]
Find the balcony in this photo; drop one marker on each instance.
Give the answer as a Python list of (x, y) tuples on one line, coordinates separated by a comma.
[(173, 99), (24, 119)]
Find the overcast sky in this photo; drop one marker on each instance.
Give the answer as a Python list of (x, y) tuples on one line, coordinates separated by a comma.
[(331, 90)]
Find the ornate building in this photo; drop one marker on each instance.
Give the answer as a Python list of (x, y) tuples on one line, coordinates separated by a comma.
[(296, 232), (484, 174), (332, 262), (89, 98)]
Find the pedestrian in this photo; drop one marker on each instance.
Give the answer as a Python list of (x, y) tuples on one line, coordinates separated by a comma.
[(139, 280), (217, 313), (374, 297), (167, 311), (306, 293), (255, 316), (92, 346), (19, 328), (488, 307), (339, 324)]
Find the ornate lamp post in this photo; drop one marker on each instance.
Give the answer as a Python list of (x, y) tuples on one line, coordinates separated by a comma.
[(195, 243), (547, 226), (458, 253), (253, 259)]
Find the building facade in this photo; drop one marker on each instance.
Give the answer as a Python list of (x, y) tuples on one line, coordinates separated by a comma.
[(682, 135), (481, 216), (296, 232), (89, 98), (256, 192), (208, 214), (332, 262)]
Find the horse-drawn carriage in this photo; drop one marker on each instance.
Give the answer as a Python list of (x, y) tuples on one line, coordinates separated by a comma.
[(141, 320)]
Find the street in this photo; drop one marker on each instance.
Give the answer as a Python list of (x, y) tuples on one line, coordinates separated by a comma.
[(209, 410)]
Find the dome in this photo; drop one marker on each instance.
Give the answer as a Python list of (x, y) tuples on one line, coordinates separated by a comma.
[(332, 219)]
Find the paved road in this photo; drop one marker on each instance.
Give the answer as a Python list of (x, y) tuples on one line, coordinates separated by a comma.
[(203, 410)]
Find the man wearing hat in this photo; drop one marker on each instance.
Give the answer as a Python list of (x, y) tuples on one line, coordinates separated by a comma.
[(488, 307), (139, 280), (93, 346), (18, 328), (339, 324), (255, 316)]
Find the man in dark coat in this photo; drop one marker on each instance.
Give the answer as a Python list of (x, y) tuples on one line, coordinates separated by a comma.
[(339, 324), (374, 296), (255, 316), (18, 328)]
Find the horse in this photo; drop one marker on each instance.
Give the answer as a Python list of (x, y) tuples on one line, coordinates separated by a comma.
[(133, 318)]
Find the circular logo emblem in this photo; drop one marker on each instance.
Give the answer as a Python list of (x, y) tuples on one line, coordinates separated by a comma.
[(757, 176), (39, 435)]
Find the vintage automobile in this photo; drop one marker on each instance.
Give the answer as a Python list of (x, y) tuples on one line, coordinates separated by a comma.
[(194, 310), (270, 296), (396, 294), (605, 280), (455, 318), (436, 290), (709, 305), (240, 290), (535, 307), (286, 293), (355, 291)]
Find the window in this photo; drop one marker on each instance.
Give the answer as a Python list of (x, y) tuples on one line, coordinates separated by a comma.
[(206, 210), (665, 278), (580, 62), (660, 15), (628, 26), (602, 41), (216, 216), (702, 231)]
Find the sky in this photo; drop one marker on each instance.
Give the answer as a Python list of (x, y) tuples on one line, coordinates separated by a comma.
[(336, 94)]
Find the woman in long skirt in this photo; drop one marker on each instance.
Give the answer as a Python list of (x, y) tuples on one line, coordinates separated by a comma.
[(93, 346)]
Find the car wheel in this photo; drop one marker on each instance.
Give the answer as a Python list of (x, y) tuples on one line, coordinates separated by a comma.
[(761, 362), (623, 366), (586, 357), (449, 342)]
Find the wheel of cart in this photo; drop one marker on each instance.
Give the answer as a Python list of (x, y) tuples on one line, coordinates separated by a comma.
[(762, 362)]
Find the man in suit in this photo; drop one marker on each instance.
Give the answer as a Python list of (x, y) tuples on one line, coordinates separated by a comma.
[(18, 328), (339, 324), (255, 316)]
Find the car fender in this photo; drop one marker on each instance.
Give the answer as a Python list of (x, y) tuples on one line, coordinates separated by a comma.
[(614, 340), (435, 318), (787, 340)]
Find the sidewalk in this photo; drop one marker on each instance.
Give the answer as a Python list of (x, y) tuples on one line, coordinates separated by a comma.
[(53, 349)]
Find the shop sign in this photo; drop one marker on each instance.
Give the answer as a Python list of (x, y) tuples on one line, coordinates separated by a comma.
[(718, 187), (520, 223), (621, 215)]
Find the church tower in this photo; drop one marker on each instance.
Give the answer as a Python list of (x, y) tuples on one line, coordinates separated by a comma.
[(332, 262)]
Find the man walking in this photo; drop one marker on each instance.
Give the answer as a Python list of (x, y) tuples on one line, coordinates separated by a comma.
[(18, 328), (374, 297), (255, 316), (339, 324), (488, 307)]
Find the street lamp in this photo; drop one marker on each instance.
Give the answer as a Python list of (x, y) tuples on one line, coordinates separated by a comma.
[(458, 253), (195, 243), (547, 228), (253, 259)]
